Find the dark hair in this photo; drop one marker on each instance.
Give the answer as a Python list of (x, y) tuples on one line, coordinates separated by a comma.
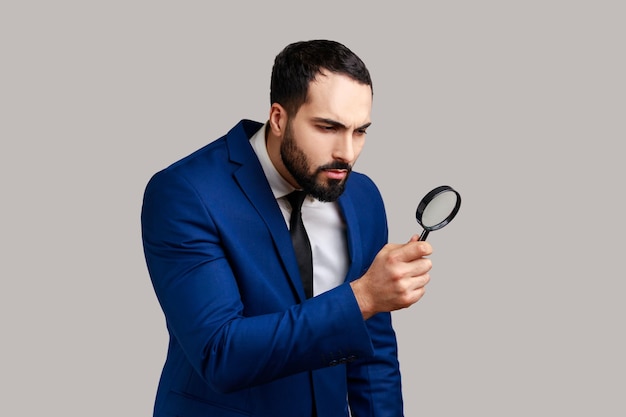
[(300, 62)]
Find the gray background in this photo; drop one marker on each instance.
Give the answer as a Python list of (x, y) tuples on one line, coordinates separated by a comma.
[(517, 104)]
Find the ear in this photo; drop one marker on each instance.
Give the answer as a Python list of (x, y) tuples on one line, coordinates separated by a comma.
[(278, 119)]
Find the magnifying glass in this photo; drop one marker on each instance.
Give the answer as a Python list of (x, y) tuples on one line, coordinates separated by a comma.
[(437, 209)]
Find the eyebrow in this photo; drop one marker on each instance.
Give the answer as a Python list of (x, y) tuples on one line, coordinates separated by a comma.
[(338, 124)]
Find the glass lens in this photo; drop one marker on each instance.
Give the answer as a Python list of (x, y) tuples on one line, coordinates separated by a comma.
[(439, 208)]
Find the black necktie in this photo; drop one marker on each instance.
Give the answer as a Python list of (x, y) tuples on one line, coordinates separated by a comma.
[(301, 243)]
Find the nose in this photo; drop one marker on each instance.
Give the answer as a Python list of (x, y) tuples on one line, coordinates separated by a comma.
[(344, 149)]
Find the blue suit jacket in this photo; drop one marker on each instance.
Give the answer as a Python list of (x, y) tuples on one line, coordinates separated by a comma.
[(244, 341)]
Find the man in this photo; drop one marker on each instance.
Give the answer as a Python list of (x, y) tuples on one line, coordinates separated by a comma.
[(245, 339)]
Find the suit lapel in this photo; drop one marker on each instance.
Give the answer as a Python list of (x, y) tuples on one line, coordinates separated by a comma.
[(346, 204), (254, 185)]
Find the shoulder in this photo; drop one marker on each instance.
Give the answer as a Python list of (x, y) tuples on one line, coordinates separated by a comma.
[(361, 189), (218, 158), (363, 201)]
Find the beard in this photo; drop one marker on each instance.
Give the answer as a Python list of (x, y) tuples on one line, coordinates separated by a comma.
[(297, 164)]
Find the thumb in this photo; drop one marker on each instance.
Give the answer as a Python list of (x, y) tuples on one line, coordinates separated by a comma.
[(414, 238)]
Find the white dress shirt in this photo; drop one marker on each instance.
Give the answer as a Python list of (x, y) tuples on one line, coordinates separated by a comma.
[(323, 222)]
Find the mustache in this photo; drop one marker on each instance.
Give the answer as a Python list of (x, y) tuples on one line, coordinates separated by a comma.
[(335, 165)]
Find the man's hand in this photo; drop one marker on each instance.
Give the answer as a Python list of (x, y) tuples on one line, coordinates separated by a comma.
[(396, 279)]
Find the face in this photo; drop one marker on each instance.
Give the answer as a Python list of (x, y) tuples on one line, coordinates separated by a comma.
[(321, 143)]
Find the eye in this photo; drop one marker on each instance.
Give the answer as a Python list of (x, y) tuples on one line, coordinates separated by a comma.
[(328, 128)]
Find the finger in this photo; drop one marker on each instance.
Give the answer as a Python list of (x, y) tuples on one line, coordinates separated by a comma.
[(422, 280), (414, 250), (424, 248), (419, 267)]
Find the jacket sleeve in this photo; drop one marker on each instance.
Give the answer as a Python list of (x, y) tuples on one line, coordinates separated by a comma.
[(374, 384), (199, 293)]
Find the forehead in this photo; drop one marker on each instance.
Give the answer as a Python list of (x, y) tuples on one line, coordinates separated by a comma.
[(339, 97)]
